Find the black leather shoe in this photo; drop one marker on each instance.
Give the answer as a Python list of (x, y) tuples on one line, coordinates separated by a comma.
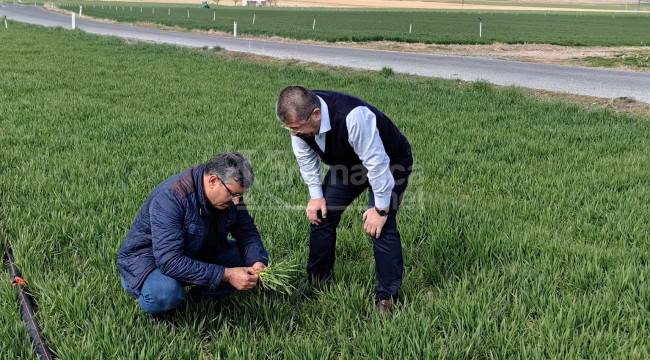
[(383, 306)]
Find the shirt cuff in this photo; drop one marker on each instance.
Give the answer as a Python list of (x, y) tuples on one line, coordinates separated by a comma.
[(382, 202), (316, 192)]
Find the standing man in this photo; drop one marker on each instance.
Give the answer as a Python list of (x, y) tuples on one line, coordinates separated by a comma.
[(179, 237), (364, 149)]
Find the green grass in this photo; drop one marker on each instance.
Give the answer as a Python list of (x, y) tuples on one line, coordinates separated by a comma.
[(635, 60), (574, 5), (441, 27), (524, 226)]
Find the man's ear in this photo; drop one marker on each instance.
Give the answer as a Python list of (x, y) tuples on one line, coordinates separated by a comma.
[(212, 180)]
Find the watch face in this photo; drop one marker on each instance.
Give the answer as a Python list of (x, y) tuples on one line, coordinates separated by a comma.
[(381, 212)]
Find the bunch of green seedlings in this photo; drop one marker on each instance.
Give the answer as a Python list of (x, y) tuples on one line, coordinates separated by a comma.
[(277, 277)]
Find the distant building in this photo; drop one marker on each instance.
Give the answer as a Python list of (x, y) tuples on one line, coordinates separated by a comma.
[(253, 2)]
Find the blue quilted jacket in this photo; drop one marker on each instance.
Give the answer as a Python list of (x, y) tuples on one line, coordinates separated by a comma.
[(179, 233)]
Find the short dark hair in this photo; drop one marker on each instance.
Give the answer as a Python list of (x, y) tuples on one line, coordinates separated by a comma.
[(231, 165), (297, 101)]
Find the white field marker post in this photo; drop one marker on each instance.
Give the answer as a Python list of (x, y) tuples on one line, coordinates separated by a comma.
[(188, 12), (140, 9), (214, 15), (410, 26), (480, 27), (253, 18), (5, 21), (234, 29), (152, 10), (314, 25), (79, 10), (73, 24)]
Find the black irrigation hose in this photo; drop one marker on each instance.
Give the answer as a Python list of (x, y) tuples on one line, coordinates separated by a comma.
[(27, 311)]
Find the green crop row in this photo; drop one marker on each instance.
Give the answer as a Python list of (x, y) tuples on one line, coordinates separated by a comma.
[(524, 226), (440, 27)]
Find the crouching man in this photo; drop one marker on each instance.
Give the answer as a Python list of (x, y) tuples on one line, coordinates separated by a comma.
[(180, 237)]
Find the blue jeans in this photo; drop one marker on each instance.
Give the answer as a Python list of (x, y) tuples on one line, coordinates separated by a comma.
[(340, 188), (160, 293)]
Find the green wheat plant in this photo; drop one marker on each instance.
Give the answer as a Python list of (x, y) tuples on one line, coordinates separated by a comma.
[(277, 277)]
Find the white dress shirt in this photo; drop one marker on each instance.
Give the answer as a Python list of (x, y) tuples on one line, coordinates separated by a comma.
[(363, 136)]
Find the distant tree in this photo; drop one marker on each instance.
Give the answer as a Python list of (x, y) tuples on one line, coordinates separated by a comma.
[(236, 1), (216, 1)]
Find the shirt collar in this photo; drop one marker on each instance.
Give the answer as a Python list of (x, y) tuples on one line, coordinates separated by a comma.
[(325, 125)]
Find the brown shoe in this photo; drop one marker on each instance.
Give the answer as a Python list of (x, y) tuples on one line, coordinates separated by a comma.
[(383, 306)]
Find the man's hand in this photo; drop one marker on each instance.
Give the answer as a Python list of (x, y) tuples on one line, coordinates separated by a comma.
[(241, 278), (312, 210), (258, 267), (373, 222)]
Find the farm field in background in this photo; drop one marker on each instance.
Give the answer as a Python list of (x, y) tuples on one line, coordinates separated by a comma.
[(440, 27), (513, 5), (524, 227)]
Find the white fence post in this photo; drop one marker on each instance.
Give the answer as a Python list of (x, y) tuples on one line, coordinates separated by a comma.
[(234, 29), (410, 26), (79, 10), (253, 18), (214, 15), (480, 27), (73, 24), (5, 21), (314, 25)]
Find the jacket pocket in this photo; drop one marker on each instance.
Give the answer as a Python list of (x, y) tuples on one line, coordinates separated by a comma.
[(194, 231)]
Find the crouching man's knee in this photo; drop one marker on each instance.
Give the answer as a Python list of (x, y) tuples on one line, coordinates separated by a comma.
[(161, 294)]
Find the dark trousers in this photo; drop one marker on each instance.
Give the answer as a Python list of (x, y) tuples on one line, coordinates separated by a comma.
[(340, 187)]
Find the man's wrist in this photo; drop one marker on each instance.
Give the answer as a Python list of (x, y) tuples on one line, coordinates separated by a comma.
[(226, 275), (382, 212), (315, 192)]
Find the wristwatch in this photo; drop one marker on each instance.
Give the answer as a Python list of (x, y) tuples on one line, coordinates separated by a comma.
[(381, 212)]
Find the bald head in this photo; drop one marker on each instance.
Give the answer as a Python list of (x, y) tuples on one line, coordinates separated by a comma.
[(295, 102)]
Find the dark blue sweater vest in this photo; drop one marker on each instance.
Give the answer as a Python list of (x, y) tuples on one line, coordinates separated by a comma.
[(337, 148)]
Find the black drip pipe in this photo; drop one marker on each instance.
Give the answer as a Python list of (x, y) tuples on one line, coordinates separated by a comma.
[(27, 311)]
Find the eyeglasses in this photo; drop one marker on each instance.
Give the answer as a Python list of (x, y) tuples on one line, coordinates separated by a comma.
[(232, 195), (298, 130)]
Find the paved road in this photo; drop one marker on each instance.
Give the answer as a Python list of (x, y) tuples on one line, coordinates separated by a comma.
[(567, 79)]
